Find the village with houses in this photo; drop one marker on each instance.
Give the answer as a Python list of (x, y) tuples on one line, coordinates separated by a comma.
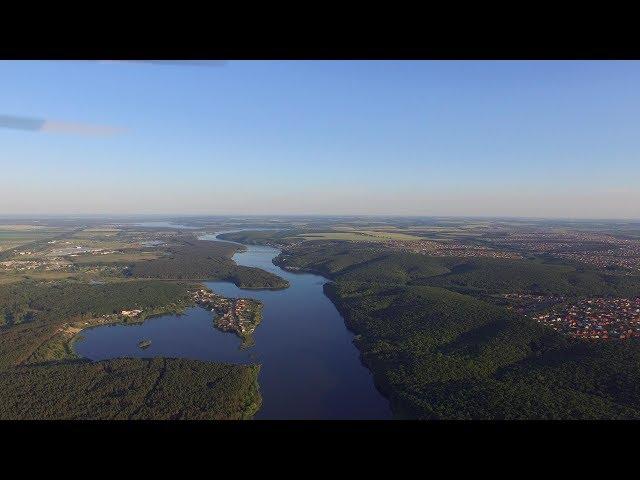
[(239, 315), (595, 318)]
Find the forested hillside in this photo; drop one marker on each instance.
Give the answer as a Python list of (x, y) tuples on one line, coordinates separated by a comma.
[(122, 389), (40, 379), (368, 263), (438, 353), (205, 260), (29, 300)]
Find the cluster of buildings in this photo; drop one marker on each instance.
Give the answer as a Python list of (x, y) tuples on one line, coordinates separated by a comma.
[(596, 318), (53, 259), (31, 265), (76, 250), (470, 251), (453, 249), (627, 257), (210, 300), (149, 239), (235, 319), (543, 241), (525, 303), (239, 315), (595, 249)]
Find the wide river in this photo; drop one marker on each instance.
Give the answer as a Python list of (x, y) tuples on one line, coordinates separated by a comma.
[(310, 367)]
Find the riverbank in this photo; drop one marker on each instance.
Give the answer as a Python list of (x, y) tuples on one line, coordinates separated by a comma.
[(60, 346), (380, 381), (310, 368), (321, 312), (238, 315), (201, 259)]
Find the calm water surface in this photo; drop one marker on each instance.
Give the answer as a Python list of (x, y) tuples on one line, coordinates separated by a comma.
[(310, 367)]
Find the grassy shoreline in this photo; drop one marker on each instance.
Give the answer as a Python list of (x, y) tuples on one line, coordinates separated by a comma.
[(65, 344)]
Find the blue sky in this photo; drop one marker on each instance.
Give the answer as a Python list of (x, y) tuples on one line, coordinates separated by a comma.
[(544, 139)]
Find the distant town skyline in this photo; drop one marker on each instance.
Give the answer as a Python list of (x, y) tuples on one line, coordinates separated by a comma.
[(555, 139)]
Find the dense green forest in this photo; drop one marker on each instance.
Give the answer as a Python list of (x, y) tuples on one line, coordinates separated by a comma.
[(41, 378), (436, 347), (369, 263), (442, 354), (439, 353), (30, 300), (37, 310), (205, 260), (130, 389), (492, 275), (38, 383)]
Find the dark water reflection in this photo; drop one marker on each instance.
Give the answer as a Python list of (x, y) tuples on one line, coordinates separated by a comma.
[(310, 367)]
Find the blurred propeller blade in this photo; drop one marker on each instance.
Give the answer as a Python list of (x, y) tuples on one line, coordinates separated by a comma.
[(182, 63), (43, 125)]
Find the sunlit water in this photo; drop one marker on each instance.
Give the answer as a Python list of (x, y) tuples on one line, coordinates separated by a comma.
[(310, 367)]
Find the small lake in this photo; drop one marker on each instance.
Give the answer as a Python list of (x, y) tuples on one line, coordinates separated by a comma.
[(310, 367)]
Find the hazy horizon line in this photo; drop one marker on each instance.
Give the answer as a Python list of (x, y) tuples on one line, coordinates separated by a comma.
[(300, 215)]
